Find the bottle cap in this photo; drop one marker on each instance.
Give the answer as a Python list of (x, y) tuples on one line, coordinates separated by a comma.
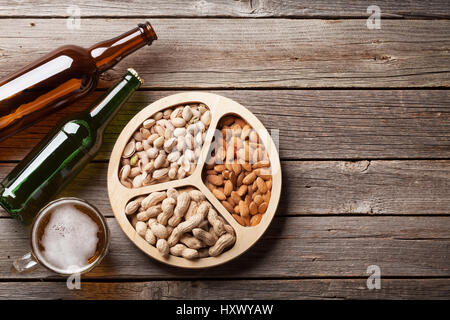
[(134, 73)]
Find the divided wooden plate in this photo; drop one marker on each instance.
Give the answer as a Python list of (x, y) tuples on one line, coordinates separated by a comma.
[(119, 195)]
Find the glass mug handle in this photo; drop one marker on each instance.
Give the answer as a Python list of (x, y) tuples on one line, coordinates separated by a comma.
[(25, 263)]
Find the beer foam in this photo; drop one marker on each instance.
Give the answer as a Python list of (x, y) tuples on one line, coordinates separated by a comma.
[(69, 239)]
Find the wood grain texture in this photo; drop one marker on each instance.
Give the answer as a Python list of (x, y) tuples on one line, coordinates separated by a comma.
[(256, 53), (232, 289), (292, 247), (323, 187), (311, 124), (301, 256), (225, 8)]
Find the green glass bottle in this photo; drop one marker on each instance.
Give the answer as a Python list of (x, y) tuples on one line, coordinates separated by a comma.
[(62, 154)]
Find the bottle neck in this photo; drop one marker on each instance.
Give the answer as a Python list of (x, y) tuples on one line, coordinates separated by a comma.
[(108, 53), (106, 107)]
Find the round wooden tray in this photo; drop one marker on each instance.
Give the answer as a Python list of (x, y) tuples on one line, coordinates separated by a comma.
[(119, 195)]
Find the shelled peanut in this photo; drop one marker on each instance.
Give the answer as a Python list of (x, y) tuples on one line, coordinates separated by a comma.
[(181, 223), (238, 171), (165, 147)]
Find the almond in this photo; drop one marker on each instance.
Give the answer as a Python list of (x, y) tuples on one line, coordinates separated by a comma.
[(228, 206), (210, 186), (254, 186), (243, 209), (233, 178), (249, 178), (253, 136), (227, 121), (264, 173), (234, 143), (237, 129), (219, 194), (242, 190), (258, 199), (262, 207), (245, 133), (228, 187), (239, 179), (262, 187), (253, 208), (261, 164), (228, 166), (235, 196), (236, 168), (247, 166), (266, 197), (240, 122), (229, 154), (247, 200), (256, 219), (269, 184), (250, 192), (226, 174), (220, 153), (210, 162), (219, 168), (239, 219), (216, 180)]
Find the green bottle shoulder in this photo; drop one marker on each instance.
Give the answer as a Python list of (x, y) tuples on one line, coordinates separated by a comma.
[(82, 131)]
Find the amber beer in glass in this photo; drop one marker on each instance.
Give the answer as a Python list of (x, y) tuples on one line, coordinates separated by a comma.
[(68, 236)]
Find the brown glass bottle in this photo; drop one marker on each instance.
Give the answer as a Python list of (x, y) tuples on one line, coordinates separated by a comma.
[(61, 77)]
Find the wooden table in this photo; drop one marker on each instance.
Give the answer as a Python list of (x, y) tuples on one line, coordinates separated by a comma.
[(364, 120)]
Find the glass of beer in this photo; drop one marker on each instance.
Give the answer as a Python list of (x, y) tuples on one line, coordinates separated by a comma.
[(68, 236)]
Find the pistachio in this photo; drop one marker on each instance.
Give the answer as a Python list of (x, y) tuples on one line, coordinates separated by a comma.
[(179, 132), (152, 153), (178, 122), (187, 113), (129, 150), (158, 115), (148, 123), (206, 118), (158, 143), (160, 173), (134, 159), (125, 172), (173, 156), (166, 146)]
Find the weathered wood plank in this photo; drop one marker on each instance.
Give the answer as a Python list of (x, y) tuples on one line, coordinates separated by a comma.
[(224, 8), (323, 187), (292, 247), (312, 124), (243, 53), (231, 289)]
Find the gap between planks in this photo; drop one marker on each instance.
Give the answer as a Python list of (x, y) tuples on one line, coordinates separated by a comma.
[(211, 289), (234, 9), (168, 17)]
